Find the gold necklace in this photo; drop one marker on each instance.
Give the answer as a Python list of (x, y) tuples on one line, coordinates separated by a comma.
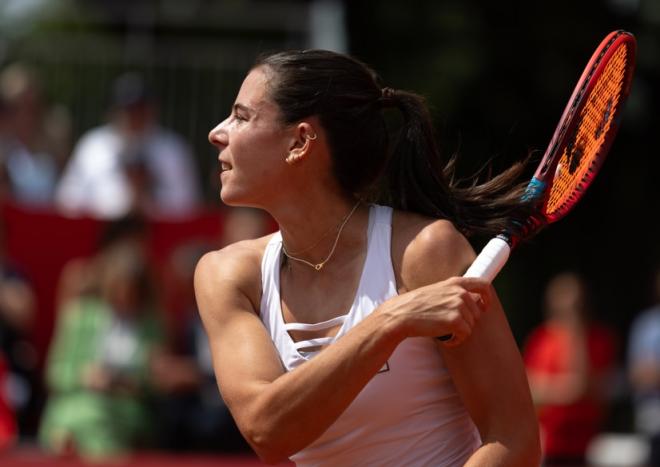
[(319, 266), (315, 244)]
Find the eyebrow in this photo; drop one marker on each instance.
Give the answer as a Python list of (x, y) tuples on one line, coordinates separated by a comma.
[(242, 108)]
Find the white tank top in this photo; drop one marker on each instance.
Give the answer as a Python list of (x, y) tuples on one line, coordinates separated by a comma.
[(409, 414)]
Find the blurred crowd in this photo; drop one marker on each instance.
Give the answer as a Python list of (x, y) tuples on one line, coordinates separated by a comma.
[(117, 380), (128, 163), (119, 377), (579, 376)]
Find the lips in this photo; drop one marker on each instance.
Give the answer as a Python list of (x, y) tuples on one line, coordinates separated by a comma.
[(224, 166)]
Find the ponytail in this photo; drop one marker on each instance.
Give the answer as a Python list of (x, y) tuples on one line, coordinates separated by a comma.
[(416, 178)]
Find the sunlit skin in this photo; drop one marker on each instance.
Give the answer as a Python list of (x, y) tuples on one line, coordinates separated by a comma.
[(285, 169), (253, 143)]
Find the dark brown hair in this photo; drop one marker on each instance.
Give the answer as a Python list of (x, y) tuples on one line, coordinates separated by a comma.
[(405, 170)]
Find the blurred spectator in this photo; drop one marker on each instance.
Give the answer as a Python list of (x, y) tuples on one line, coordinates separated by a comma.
[(130, 164), (17, 310), (32, 138), (644, 368), (193, 414), (79, 276), (97, 369), (8, 428), (568, 359)]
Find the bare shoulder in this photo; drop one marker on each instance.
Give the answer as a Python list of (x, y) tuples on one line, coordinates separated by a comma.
[(427, 250), (232, 273)]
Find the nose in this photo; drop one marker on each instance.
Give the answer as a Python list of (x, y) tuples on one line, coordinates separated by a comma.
[(218, 136)]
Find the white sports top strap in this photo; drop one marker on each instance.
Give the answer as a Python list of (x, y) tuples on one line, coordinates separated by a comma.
[(339, 320), (319, 341)]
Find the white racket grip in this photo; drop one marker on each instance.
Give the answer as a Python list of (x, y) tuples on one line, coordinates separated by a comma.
[(490, 261)]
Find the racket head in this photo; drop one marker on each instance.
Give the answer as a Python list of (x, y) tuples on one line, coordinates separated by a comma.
[(586, 129)]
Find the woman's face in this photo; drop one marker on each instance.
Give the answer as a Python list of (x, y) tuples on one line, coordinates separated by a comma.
[(253, 145)]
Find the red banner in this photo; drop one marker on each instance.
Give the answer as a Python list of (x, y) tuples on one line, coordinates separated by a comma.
[(41, 242)]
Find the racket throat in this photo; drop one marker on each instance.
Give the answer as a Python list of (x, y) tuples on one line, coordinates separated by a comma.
[(529, 219), (534, 190)]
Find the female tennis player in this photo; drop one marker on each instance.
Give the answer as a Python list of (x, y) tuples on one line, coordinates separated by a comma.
[(323, 334)]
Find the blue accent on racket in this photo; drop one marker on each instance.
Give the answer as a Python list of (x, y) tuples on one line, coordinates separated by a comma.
[(534, 189)]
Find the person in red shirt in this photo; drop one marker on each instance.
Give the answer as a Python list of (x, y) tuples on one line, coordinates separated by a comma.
[(567, 358)]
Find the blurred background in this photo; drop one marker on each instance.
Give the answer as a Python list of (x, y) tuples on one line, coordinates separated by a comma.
[(130, 78)]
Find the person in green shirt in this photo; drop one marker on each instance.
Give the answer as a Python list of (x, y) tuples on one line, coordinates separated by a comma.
[(98, 365)]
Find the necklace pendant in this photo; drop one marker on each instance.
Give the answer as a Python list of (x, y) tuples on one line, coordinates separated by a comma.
[(320, 265)]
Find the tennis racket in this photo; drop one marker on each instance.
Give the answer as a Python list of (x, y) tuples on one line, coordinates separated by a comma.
[(575, 153)]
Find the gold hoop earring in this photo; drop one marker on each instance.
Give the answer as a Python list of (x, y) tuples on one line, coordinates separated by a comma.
[(311, 138)]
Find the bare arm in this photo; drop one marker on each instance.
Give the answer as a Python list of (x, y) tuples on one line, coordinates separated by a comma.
[(488, 373), (279, 412), (487, 368)]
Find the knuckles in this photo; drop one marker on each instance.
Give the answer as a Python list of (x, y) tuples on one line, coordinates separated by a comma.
[(452, 307)]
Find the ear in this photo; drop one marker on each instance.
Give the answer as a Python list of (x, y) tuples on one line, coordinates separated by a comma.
[(302, 142)]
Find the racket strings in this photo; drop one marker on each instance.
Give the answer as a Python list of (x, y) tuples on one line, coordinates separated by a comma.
[(579, 161)]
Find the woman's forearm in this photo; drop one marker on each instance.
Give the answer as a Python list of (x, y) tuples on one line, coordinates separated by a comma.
[(292, 411), (286, 413)]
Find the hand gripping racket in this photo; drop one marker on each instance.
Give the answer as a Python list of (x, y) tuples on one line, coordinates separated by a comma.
[(575, 153)]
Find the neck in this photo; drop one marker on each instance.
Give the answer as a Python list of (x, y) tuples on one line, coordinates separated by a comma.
[(319, 265)]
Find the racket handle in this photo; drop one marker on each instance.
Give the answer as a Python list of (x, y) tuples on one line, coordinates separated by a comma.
[(490, 261)]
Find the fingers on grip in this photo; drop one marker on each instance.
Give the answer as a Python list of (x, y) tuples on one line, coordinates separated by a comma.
[(475, 299)]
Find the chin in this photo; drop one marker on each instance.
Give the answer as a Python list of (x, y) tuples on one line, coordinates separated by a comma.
[(229, 200), (236, 200)]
